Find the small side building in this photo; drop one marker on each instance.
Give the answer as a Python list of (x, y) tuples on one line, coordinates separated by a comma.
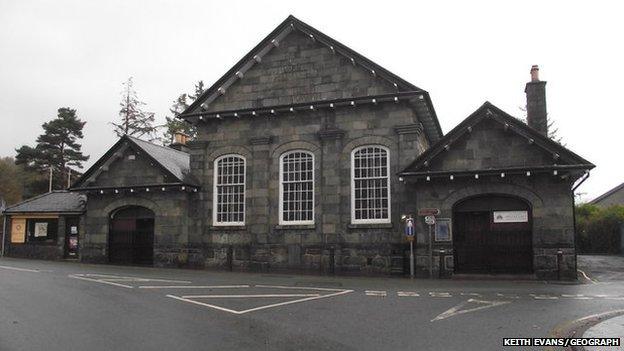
[(45, 227), (612, 197)]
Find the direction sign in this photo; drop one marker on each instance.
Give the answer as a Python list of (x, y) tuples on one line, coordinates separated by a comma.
[(430, 220), (409, 227), (429, 212)]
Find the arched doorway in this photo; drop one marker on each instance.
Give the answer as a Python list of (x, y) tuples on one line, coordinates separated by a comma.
[(131, 236), (492, 234)]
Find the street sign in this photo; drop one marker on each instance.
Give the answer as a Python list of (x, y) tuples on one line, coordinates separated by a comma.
[(409, 227), (430, 220), (429, 212)]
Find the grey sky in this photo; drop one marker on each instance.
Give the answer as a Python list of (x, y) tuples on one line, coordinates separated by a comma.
[(77, 54)]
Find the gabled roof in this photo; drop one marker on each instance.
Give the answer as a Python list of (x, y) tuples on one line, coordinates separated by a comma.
[(173, 162), (426, 111), (564, 158), (607, 194), (58, 201)]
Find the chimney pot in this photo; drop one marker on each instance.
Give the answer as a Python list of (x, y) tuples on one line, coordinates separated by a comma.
[(535, 73), (179, 141)]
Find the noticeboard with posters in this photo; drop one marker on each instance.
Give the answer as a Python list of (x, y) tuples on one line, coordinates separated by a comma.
[(443, 230)]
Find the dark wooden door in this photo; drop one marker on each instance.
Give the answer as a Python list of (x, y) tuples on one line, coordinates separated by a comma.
[(131, 237), (482, 246)]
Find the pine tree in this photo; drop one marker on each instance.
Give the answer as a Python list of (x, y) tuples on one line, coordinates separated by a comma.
[(57, 148), (175, 124), (134, 121)]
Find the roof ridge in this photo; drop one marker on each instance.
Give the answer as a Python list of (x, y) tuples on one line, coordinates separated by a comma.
[(161, 146)]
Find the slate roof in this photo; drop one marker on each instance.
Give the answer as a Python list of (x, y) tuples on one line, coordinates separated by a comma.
[(607, 194), (57, 201), (173, 162), (568, 159), (424, 107)]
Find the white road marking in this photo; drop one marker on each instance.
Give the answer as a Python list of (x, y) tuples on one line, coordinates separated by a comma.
[(407, 293), (457, 310), (377, 293), (544, 297), (509, 296), (440, 294), (20, 269), (587, 277), (470, 294), (245, 296), (342, 292), (192, 286), (99, 281), (297, 287)]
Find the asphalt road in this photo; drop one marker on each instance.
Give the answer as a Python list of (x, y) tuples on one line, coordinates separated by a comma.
[(70, 306)]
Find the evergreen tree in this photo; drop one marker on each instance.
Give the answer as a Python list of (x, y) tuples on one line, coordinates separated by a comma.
[(175, 124), (133, 120), (57, 148)]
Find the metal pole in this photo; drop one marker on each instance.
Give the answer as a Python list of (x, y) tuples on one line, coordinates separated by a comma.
[(430, 255), (412, 259), (3, 234), (50, 186)]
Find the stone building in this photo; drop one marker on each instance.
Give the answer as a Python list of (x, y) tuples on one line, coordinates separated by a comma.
[(612, 197), (310, 157)]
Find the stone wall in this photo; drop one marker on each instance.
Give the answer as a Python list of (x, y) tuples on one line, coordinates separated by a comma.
[(332, 244)]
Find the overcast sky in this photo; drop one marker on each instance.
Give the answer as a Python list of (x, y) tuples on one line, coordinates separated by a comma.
[(77, 54)]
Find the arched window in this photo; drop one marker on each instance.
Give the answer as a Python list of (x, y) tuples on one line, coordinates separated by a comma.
[(229, 190), (296, 204), (370, 184)]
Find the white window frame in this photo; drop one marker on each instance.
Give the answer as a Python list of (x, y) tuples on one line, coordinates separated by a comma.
[(370, 221), (215, 192), (281, 189)]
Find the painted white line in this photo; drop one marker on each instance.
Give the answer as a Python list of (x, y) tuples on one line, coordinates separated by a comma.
[(440, 294), (454, 311), (20, 269), (99, 281), (297, 287), (587, 277), (544, 297), (261, 307), (204, 304), (192, 286), (509, 296), (470, 294), (378, 293), (129, 278), (246, 296), (407, 294), (614, 298)]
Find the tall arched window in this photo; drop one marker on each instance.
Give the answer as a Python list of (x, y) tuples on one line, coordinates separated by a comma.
[(370, 184), (296, 204), (229, 190)]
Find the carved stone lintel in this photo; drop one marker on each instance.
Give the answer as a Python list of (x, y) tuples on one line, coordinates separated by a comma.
[(415, 128), (331, 134), (261, 140)]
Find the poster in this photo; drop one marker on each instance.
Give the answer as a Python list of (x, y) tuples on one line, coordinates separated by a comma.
[(443, 229), (511, 216), (18, 230), (41, 229)]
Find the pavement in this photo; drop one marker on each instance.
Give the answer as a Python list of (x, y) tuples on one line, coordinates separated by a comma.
[(608, 328), (73, 306)]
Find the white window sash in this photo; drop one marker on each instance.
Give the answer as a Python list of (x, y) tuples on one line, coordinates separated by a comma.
[(215, 192), (281, 220), (387, 177)]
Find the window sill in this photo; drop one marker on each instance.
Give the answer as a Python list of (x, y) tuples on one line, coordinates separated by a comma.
[(295, 226), (216, 228), (370, 226)]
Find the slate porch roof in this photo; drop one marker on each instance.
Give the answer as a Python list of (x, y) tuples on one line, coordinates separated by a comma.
[(607, 194), (173, 162), (567, 159), (424, 107), (57, 201)]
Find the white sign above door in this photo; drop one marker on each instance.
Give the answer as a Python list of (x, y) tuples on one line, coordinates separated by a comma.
[(511, 216)]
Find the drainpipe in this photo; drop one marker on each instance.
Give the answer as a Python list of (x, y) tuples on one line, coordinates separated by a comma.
[(585, 176)]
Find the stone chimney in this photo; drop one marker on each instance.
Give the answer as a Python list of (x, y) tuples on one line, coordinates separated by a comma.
[(536, 102), (179, 142)]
